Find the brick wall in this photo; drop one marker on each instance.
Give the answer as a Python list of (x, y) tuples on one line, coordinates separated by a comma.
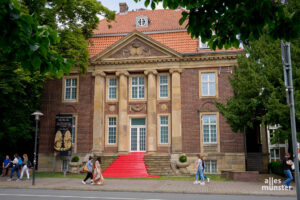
[(192, 105), (52, 105)]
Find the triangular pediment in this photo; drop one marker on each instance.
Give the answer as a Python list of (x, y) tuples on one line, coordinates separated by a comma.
[(136, 45)]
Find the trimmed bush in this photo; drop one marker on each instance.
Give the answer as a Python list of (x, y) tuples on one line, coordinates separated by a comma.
[(277, 168), (182, 158), (75, 159)]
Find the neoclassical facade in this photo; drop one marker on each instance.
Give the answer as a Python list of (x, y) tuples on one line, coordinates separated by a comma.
[(143, 95)]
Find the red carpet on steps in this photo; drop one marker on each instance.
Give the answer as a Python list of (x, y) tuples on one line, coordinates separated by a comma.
[(131, 165)]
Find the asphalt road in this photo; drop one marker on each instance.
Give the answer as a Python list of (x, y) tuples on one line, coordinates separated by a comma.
[(33, 194)]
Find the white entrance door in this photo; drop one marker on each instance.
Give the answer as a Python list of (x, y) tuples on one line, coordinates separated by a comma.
[(138, 135)]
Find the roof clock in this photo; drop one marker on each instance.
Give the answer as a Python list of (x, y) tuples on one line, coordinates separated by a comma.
[(142, 21)]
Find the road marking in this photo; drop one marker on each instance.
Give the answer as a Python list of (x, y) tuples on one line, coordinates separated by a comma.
[(79, 197)]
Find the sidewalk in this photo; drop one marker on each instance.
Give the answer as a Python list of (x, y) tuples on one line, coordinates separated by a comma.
[(215, 187)]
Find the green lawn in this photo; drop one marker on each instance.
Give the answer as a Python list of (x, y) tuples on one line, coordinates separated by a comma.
[(213, 177)]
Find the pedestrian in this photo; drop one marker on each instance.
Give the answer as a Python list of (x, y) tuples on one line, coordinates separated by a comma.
[(88, 168), (97, 177), (5, 166), (26, 165), (287, 163), (203, 167), (199, 172), (15, 167)]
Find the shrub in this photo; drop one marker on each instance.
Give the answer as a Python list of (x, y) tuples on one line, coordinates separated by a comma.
[(182, 158), (277, 168), (75, 159)]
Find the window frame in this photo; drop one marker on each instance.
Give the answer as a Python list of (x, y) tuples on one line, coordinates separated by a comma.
[(202, 144), (202, 45), (108, 87), (158, 86), (210, 166), (131, 87), (64, 88), (209, 125), (141, 17), (107, 130), (216, 83), (164, 125), (275, 158)]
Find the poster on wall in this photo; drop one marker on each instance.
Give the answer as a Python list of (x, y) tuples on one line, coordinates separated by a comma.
[(63, 134)]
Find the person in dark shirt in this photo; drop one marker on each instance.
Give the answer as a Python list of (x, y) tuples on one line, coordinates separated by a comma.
[(5, 166), (287, 163)]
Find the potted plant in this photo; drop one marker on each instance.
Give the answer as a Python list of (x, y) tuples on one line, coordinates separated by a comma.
[(74, 164), (182, 162)]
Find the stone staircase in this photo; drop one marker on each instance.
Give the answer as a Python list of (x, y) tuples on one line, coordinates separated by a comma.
[(158, 165), (107, 161)]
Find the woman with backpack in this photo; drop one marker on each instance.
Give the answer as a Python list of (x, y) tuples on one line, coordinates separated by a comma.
[(26, 165)]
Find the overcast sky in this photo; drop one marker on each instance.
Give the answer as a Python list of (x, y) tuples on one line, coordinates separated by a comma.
[(114, 4)]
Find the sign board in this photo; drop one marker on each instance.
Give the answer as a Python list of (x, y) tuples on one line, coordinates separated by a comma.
[(63, 134)]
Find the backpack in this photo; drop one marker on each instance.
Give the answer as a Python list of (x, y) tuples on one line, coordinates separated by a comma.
[(29, 164), (20, 161)]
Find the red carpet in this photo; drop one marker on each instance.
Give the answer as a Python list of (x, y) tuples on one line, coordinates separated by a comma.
[(131, 165)]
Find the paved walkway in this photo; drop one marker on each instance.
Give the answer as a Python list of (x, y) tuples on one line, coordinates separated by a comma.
[(214, 187)]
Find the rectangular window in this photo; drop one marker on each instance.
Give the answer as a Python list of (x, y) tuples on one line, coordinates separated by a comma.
[(112, 88), (112, 130), (211, 166), (164, 129), (275, 154), (202, 45), (137, 87), (209, 128), (208, 84), (163, 86), (70, 89)]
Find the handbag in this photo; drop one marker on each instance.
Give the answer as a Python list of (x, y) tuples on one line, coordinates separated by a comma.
[(86, 169)]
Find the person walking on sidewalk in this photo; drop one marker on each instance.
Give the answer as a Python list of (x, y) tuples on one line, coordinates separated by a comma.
[(15, 167), (26, 165), (89, 169), (5, 165), (199, 173), (98, 178), (287, 163)]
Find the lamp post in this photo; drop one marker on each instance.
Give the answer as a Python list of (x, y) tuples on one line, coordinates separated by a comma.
[(37, 115)]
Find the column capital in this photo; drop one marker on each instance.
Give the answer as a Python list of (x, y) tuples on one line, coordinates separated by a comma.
[(148, 72), (123, 72), (175, 71), (99, 73)]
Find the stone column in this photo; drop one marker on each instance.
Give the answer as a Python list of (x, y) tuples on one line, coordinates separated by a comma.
[(98, 121), (176, 111), (123, 136), (151, 111)]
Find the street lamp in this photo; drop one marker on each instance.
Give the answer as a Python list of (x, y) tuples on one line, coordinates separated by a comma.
[(37, 115)]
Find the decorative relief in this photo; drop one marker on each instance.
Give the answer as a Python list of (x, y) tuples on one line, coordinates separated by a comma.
[(112, 108), (137, 107), (137, 49), (163, 107)]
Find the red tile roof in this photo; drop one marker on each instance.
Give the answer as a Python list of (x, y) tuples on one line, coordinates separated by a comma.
[(159, 20), (164, 22)]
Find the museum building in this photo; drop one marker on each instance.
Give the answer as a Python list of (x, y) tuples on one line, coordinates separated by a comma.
[(149, 88)]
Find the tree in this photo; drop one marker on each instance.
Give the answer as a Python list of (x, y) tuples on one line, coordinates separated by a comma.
[(219, 22), (259, 91)]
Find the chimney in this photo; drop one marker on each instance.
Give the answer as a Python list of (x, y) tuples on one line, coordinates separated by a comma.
[(123, 7)]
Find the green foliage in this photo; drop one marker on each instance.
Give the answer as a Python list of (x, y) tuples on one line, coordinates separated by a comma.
[(248, 18), (276, 167), (259, 91), (24, 41), (182, 158), (20, 93), (75, 159)]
